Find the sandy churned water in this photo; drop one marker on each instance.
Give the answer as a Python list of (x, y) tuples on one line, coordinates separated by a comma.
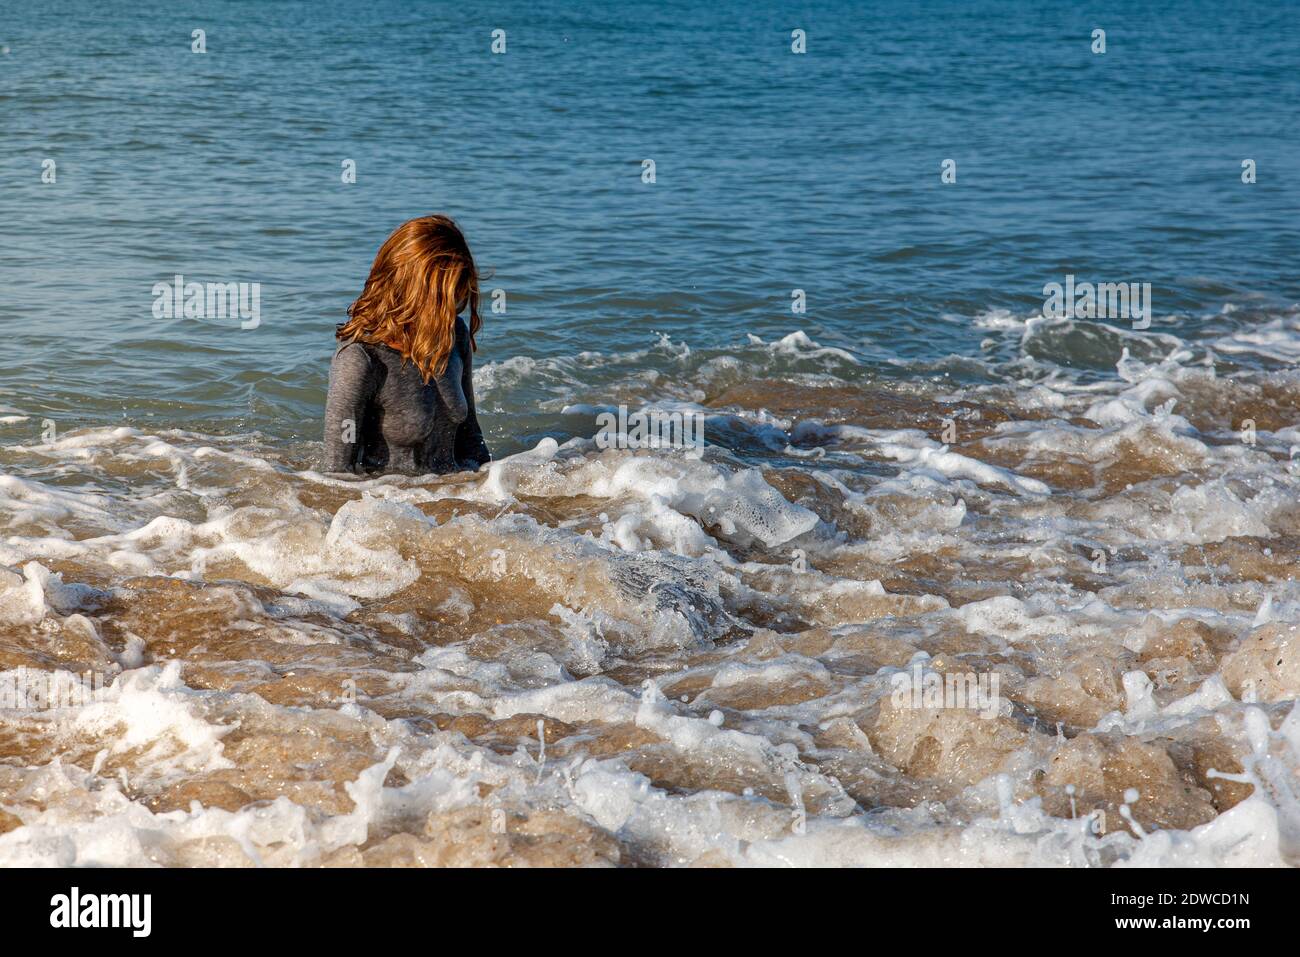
[(634, 657)]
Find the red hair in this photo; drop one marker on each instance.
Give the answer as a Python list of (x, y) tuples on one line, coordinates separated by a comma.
[(423, 275)]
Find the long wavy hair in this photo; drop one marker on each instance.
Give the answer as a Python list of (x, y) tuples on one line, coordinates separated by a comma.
[(423, 275)]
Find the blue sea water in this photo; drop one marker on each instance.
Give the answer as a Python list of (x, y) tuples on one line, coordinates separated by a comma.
[(645, 655), (774, 171)]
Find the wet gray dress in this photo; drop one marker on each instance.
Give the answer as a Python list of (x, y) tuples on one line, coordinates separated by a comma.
[(381, 416)]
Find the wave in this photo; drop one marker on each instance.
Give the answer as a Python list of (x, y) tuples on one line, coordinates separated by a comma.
[(211, 653)]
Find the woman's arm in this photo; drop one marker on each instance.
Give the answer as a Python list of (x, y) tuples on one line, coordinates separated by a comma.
[(351, 388), (471, 450), (451, 388)]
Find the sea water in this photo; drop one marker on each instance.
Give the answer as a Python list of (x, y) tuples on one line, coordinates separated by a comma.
[(917, 479)]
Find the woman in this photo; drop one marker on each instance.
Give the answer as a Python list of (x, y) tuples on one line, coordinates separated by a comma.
[(401, 394)]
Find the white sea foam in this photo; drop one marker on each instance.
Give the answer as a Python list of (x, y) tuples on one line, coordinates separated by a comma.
[(690, 658)]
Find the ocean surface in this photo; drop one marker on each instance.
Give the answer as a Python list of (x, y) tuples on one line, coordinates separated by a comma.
[(912, 474)]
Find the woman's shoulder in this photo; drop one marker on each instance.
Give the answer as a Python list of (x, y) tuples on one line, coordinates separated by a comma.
[(352, 353), (355, 361)]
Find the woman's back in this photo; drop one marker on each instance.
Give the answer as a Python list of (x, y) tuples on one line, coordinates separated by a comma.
[(411, 408), (382, 416)]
